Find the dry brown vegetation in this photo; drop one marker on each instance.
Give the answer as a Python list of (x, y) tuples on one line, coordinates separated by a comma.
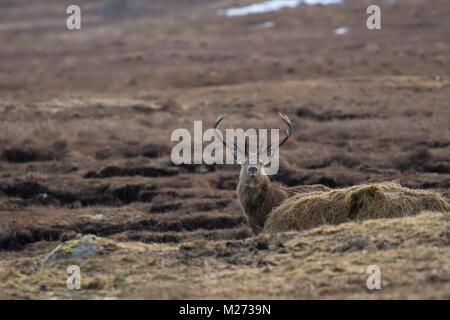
[(362, 202), (321, 263), (85, 125)]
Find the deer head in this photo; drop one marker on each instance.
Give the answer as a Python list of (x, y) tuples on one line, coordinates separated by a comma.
[(252, 167)]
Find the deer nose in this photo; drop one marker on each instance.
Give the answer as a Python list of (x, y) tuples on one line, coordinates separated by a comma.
[(252, 170)]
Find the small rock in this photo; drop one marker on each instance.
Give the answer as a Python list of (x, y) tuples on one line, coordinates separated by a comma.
[(79, 247)]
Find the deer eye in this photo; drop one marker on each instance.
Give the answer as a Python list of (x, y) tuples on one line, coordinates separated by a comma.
[(266, 164)]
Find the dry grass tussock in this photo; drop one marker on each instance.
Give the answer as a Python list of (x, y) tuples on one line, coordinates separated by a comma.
[(361, 202)]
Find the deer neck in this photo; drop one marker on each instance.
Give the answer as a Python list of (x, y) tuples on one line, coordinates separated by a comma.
[(253, 194)]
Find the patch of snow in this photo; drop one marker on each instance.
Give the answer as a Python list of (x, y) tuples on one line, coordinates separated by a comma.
[(264, 25), (322, 2), (341, 30), (271, 5)]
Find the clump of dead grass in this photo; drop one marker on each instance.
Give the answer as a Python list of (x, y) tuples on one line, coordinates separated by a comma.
[(369, 201)]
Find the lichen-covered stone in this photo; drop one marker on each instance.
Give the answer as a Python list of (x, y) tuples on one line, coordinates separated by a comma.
[(79, 247)]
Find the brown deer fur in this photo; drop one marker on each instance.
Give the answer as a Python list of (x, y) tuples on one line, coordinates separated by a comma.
[(257, 196)]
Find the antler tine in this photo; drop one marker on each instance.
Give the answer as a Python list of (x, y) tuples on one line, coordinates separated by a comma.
[(219, 118), (288, 132)]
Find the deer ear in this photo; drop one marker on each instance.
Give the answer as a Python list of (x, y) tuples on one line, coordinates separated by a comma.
[(264, 158), (264, 161)]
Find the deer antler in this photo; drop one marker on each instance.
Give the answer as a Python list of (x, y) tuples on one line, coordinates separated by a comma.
[(235, 150), (288, 134)]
